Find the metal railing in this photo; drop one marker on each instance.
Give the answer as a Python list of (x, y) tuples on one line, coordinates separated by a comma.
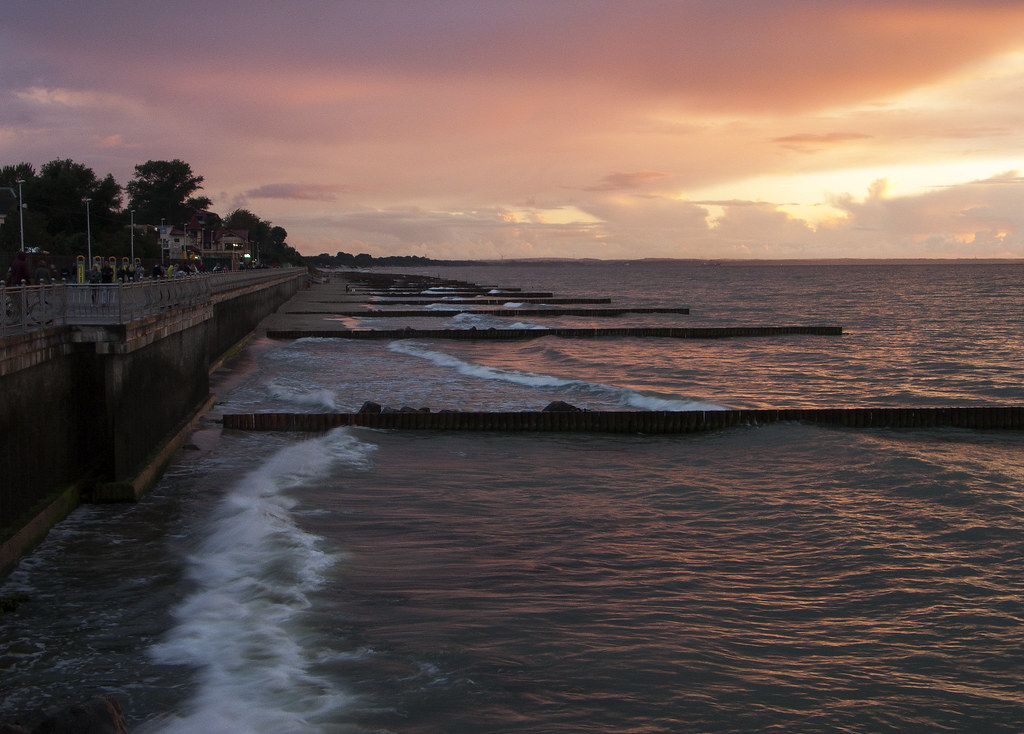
[(33, 307), (27, 308)]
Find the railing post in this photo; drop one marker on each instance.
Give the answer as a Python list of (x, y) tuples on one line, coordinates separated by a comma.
[(24, 307)]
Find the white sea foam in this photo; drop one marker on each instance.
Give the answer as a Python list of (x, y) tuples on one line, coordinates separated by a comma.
[(472, 369), (605, 393), (484, 321), (243, 625), (303, 396), (651, 402)]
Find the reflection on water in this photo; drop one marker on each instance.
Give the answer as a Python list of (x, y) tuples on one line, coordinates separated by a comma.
[(786, 577)]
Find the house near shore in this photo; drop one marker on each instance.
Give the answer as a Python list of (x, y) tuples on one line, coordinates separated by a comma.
[(173, 242), (214, 245)]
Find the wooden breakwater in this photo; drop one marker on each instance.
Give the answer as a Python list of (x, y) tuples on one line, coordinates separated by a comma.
[(723, 332), (448, 312), (1001, 417), (597, 301), (478, 296)]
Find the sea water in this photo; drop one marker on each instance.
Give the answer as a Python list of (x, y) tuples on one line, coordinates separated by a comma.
[(783, 577)]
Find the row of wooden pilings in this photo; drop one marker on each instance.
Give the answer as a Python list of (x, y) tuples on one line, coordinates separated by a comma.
[(709, 332), (649, 422), (450, 311)]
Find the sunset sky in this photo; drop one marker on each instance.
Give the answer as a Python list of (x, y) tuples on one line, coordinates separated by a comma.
[(549, 128)]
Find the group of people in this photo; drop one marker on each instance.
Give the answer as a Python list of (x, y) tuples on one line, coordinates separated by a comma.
[(105, 274), (176, 271), (21, 273)]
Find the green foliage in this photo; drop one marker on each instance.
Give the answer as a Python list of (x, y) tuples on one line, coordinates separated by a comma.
[(56, 219), (9, 175), (55, 210), (363, 260), (268, 240), (160, 190)]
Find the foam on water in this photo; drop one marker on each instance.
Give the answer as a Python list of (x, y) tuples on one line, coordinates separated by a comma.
[(242, 627), (485, 321), (598, 391), (303, 396)]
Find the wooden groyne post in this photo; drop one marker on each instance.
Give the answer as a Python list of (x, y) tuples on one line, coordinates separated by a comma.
[(998, 417)]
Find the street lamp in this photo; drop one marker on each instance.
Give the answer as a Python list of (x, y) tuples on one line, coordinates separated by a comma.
[(88, 231), (21, 219), (133, 237)]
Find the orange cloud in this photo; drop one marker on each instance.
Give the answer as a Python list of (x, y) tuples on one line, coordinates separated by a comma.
[(808, 143), (627, 181), (315, 192)]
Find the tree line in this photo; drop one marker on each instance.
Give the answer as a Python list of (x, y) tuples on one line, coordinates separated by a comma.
[(363, 260), (55, 213)]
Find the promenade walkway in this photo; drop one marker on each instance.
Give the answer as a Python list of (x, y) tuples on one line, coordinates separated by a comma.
[(30, 308)]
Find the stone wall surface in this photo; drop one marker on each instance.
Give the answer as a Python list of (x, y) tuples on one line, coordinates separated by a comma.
[(84, 409)]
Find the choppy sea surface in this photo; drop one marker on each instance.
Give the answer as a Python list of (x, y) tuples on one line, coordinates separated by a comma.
[(785, 577)]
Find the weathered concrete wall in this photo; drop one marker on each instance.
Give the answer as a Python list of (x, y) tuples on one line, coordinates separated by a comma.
[(237, 316), (87, 409), (50, 426)]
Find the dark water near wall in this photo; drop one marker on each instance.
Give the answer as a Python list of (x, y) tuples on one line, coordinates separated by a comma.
[(785, 577)]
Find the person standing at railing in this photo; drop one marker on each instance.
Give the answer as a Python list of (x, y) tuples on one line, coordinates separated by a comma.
[(95, 278), (42, 273), (107, 276), (19, 274)]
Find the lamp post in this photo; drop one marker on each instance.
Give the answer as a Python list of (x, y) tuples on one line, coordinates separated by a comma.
[(88, 232), (133, 237), (21, 218)]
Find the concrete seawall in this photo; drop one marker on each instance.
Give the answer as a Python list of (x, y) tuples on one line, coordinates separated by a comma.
[(89, 410), (1005, 417)]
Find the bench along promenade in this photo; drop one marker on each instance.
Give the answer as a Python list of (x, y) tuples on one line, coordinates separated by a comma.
[(100, 384)]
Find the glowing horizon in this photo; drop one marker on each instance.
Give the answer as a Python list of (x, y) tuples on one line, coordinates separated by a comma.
[(528, 129)]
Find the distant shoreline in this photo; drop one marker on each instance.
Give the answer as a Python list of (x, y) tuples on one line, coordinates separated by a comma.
[(710, 262)]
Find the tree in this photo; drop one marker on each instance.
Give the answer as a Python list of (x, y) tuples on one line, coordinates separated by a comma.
[(10, 236), (9, 175), (58, 193), (31, 218), (162, 190)]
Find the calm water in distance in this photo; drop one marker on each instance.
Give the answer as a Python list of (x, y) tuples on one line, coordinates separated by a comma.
[(784, 577)]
